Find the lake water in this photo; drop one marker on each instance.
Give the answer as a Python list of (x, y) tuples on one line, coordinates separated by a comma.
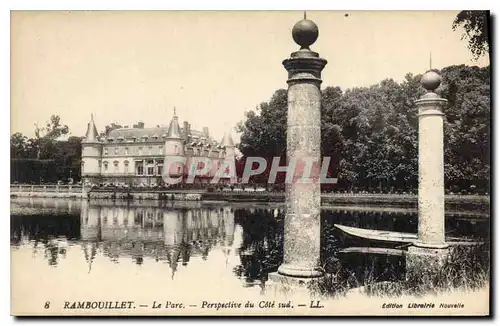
[(74, 246)]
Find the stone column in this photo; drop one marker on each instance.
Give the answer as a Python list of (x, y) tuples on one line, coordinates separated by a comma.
[(431, 222), (427, 255), (302, 221)]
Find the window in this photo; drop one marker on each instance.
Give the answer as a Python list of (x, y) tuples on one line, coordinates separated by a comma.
[(140, 150), (125, 166), (138, 217), (105, 216), (150, 150), (116, 150), (105, 166), (160, 149), (150, 167), (115, 216), (115, 164), (126, 150), (105, 151), (179, 170), (139, 168), (159, 167), (176, 150), (83, 163)]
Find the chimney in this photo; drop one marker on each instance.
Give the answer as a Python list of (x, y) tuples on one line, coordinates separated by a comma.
[(139, 125), (205, 131), (186, 130)]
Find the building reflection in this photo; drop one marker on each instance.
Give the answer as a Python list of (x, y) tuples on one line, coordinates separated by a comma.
[(164, 232)]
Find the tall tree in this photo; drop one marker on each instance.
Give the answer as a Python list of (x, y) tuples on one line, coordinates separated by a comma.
[(44, 157), (371, 133), (475, 24), (18, 144), (54, 128)]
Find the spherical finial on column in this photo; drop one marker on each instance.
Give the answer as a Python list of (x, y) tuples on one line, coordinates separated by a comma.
[(305, 33), (431, 80)]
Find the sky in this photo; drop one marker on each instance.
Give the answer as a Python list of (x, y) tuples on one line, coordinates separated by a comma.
[(212, 66)]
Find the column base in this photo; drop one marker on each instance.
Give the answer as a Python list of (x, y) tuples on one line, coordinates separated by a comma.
[(299, 272), (282, 285), (425, 263), (420, 244)]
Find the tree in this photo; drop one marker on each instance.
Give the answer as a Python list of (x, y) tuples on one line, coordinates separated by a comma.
[(264, 130), (45, 135), (467, 127), (54, 129), (475, 24), (44, 157), (371, 133), (18, 143)]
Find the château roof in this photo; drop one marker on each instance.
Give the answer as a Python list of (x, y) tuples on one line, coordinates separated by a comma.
[(227, 140), (160, 133), (138, 133), (91, 134), (174, 131)]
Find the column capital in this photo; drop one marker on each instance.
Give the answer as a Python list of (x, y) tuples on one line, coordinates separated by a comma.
[(431, 98), (430, 104), (304, 68)]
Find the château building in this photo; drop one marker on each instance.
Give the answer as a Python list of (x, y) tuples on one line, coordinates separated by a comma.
[(136, 156)]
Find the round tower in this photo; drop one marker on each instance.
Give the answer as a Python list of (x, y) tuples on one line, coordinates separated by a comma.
[(91, 154), (228, 158), (174, 150)]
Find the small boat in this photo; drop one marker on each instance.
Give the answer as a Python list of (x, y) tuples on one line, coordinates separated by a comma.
[(371, 250), (378, 235), (395, 238)]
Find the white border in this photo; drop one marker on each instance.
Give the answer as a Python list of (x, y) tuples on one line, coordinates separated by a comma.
[(8, 5)]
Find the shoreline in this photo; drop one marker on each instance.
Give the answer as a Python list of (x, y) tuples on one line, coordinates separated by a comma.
[(407, 202)]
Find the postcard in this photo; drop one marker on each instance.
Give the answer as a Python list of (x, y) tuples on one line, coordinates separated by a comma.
[(250, 163)]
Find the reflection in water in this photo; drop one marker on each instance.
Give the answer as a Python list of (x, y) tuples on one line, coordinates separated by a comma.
[(164, 233), (261, 250), (248, 238)]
